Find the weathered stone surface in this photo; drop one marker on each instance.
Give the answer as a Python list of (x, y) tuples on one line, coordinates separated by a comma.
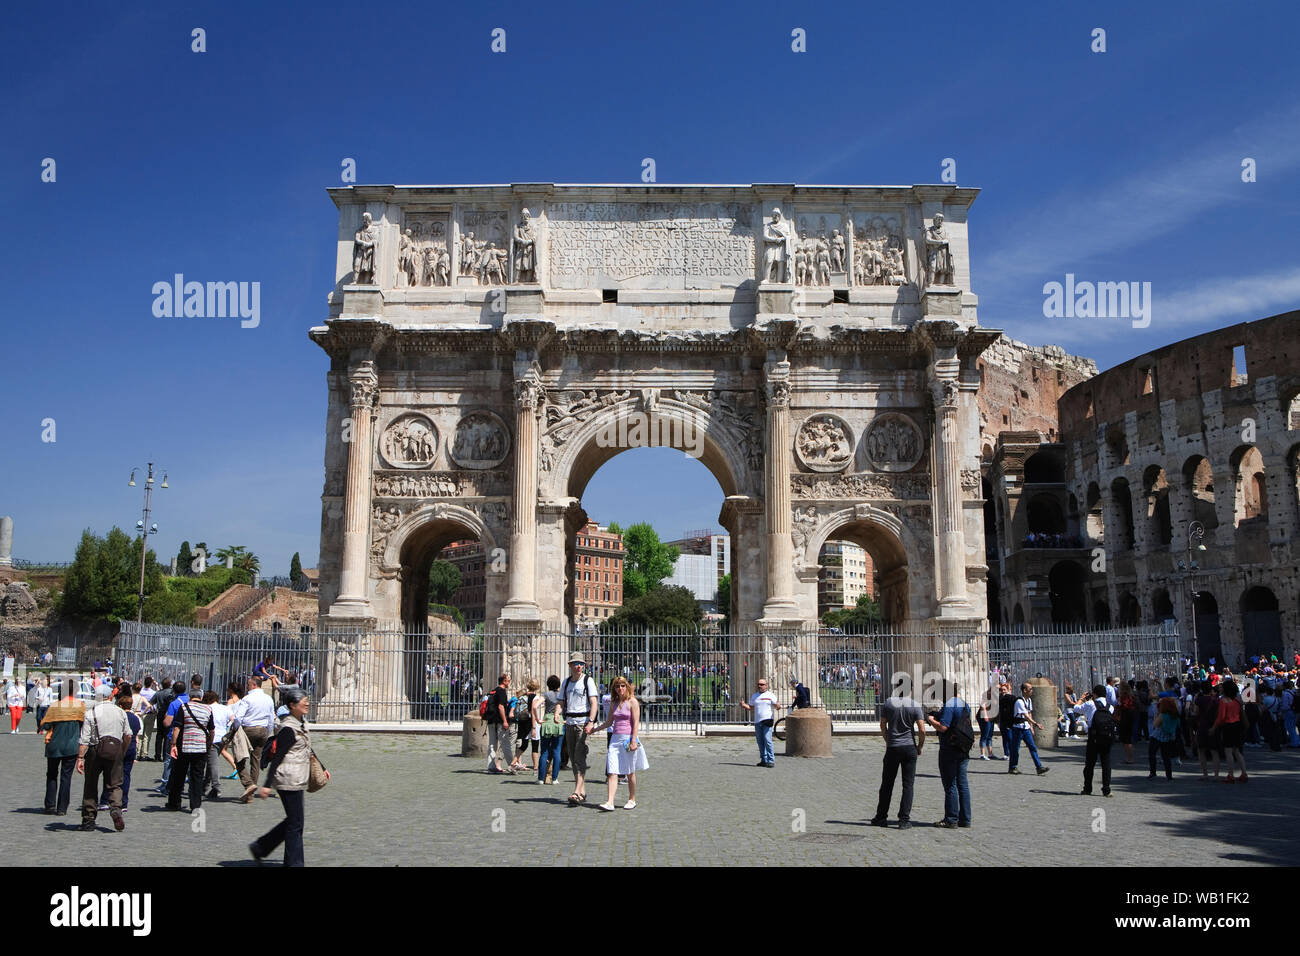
[(808, 733)]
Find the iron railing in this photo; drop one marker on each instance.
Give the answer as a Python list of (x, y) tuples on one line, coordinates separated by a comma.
[(684, 681)]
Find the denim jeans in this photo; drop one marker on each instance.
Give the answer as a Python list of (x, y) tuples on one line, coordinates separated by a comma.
[(896, 757), (1019, 734), (763, 734), (986, 735), (1165, 748), (956, 787), (1006, 741), (288, 831), (549, 761), (1288, 721), (58, 782)]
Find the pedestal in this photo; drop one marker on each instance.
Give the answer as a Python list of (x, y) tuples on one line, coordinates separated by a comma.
[(808, 733), (474, 736), (1046, 709)]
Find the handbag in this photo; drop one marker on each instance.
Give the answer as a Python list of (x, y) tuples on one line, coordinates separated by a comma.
[(108, 748), (316, 778)]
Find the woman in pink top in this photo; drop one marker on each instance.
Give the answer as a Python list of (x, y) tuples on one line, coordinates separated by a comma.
[(1231, 723), (625, 755)]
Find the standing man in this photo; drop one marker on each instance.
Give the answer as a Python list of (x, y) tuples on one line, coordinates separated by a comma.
[(580, 699), (1006, 716), (764, 706), (1112, 693), (102, 747), (500, 737), (1103, 730), (955, 741), (190, 744), (899, 713), (1022, 729), (255, 713), (161, 701)]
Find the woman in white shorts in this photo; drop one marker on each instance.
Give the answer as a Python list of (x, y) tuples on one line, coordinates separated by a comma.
[(625, 755)]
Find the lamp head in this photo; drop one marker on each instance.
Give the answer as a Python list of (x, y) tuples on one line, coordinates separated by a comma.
[(164, 484), (131, 483)]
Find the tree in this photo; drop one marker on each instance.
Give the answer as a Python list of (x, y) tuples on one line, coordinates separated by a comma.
[(444, 579), (662, 609), (184, 558), (863, 616), (647, 561), (243, 559), (295, 569), (104, 579)]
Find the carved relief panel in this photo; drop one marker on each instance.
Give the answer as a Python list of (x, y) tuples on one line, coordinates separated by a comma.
[(879, 250), (820, 249), (410, 441), (824, 443), (894, 442), (423, 253), (481, 441), (483, 247)]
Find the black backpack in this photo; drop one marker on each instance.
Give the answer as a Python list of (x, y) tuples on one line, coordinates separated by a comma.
[(960, 736), (1105, 726)]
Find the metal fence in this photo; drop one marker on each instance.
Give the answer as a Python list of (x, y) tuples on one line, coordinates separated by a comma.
[(684, 681)]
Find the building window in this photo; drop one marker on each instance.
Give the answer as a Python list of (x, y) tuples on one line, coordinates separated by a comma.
[(1148, 380), (1239, 373)]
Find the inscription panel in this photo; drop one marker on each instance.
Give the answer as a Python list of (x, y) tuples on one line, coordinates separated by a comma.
[(650, 245)]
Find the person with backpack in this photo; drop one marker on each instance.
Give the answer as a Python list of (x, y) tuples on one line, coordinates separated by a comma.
[(194, 731), (548, 716), (956, 738), (1022, 730), (1006, 716), (581, 699), (1290, 708), (1103, 731), (527, 730), (496, 711)]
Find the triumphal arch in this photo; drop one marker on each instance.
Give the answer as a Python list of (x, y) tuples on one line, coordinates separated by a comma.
[(492, 346)]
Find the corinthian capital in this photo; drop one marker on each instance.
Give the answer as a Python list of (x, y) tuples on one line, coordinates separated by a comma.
[(777, 375), (944, 392), (528, 386), (365, 385)]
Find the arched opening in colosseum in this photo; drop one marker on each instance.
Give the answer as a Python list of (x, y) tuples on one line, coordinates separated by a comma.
[(1198, 478), (1208, 642), (1045, 514), (1018, 618), (1155, 488), (1117, 445), (1261, 623), (1065, 587), (1291, 409), (1045, 468), (1162, 606), (1248, 476), (996, 616), (1101, 614), (1096, 520), (1123, 503), (1130, 612)]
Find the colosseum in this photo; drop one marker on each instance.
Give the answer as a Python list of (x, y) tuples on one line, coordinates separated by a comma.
[(1172, 485)]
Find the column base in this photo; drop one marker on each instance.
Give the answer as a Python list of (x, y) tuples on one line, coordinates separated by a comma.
[(519, 616), (780, 616), (351, 608), (955, 609)]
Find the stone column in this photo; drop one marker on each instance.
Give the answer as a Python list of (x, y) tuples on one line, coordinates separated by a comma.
[(529, 399), (352, 600), (6, 541), (780, 604), (945, 392)]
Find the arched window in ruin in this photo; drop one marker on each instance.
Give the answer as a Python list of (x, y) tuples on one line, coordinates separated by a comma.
[(1155, 489), (1162, 606), (1261, 623), (1198, 479), (1045, 514), (1248, 476), (1096, 521), (1044, 467), (1130, 611), (1065, 588)]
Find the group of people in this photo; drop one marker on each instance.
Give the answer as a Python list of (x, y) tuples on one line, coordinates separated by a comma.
[(558, 722), (191, 731)]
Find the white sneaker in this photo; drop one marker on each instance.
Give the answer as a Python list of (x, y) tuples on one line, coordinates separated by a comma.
[(607, 807), (630, 805)]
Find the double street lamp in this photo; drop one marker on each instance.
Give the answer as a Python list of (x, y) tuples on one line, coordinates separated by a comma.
[(1195, 532), (145, 529)]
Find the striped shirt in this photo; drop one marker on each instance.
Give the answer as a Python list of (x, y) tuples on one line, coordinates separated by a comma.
[(194, 731)]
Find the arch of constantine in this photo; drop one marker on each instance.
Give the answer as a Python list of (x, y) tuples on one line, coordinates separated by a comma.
[(492, 346)]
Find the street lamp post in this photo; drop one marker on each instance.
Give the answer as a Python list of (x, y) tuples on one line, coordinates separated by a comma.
[(1195, 532), (145, 529)]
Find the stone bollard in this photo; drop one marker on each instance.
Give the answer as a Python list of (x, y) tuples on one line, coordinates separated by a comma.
[(808, 733), (474, 736), (1046, 708)]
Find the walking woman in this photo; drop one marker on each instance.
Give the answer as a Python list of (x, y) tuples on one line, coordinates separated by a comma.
[(44, 699), (1127, 718), (288, 774), (528, 729), (984, 718), (1164, 732), (62, 726), (625, 755), (548, 716), (1230, 722), (16, 699)]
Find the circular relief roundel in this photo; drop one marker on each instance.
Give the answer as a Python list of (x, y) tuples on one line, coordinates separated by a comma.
[(481, 441), (824, 443), (893, 442), (409, 441)]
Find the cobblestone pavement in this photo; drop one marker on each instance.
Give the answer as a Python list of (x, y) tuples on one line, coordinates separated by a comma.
[(412, 800)]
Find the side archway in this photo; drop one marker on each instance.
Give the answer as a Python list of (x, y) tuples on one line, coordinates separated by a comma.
[(886, 539)]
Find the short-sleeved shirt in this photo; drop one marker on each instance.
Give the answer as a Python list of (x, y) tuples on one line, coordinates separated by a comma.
[(196, 718), (899, 715), (577, 698), (499, 698), (1024, 710), (952, 710), (763, 706)]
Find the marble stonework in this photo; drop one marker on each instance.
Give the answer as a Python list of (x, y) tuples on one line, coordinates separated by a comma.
[(822, 340)]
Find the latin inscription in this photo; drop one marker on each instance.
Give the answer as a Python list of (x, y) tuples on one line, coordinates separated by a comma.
[(650, 245)]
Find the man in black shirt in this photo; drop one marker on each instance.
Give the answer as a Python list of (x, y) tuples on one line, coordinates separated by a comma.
[(500, 733), (1006, 716), (801, 696)]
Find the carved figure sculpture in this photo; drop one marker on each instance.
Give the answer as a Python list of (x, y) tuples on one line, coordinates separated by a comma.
[(525, 249), (407, 259), (777, 248), (837, 251), (938, 255), (363, 251)]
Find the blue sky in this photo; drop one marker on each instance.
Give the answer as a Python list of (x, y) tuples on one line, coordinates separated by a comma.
[(1123, 165)]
